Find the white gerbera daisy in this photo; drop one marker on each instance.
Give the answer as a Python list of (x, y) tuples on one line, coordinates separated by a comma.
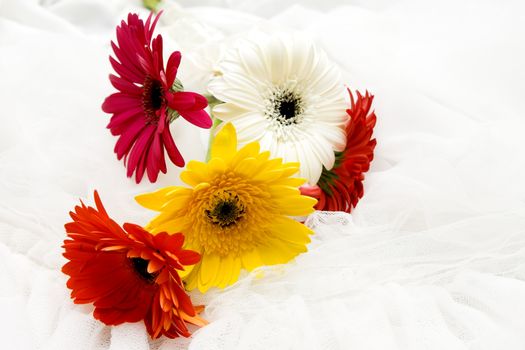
[(283, 92)]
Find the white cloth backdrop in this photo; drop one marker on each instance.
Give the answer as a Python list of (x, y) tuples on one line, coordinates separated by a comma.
[(432, 258)]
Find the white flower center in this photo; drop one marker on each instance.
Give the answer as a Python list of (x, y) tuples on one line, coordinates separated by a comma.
[(284, 107)]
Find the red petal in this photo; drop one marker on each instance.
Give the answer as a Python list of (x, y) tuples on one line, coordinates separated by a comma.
[(121, 121), (171, 148), (128, 138), (124, 85), (198, 118), (136, 158), (154, 158), (172, 67), (120, 102), (186, 101)]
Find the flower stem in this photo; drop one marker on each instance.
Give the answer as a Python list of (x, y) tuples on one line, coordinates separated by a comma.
[(212, 102), (151, 4), (216, 123)]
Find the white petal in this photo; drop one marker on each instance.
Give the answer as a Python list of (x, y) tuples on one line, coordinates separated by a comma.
[(266, 141), (253, 63), (311, 167), (250, 127), (235, 94), (323, 150), (277, 60), (336, 136), (303, 57), (228, 111), (242, 81)]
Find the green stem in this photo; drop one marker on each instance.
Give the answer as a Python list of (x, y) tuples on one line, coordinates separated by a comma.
[(214, 126), (151, 5), (212, 102)]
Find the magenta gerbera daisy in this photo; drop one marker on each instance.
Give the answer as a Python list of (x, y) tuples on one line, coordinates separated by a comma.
[(149, 98)]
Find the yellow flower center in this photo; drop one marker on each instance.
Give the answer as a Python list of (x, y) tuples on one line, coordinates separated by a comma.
[(225, 208), (228, 216)]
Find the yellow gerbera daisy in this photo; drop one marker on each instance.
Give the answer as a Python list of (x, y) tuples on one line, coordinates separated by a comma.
[(235, 213)]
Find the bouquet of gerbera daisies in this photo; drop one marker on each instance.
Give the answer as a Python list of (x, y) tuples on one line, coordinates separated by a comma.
[(286, 138)]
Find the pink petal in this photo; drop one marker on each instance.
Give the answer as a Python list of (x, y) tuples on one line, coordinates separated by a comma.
[(149, 29), (126, 72), (131, 43), (198, 118), (120, 102), (140, 168), (162, 161), (153, 158), (171, 148), (162, 122), (172, 67), (119, 121), (147, 26), (126, 57), (183, 101), (125, 86), (128, 138), (156, 48), (136, 159)]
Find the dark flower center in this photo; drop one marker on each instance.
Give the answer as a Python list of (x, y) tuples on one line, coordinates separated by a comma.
[(140, 266), (226, 210), (285, 106), (152, 98)]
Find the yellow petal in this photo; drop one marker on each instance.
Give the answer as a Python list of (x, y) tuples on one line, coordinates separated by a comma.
[(268, 175), (225, 271), (177, 203), (283, 191), (246, 167), (264, 156), (225, 143), (290, 169), (271, 164), (271, 256), (296, 206), (274, 170), (290, 181), (201, 186), (192, 277), (276, 251), (292, 165), (236, 270), (196, 166), (290, 230), (195, 173), (156, 200), (251, 260), (208, 269), (250, 150), (216, 165), (187, 270), (167, 223)]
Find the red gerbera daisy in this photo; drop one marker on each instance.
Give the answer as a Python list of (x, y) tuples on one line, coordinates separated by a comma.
[(127, 273), (340, 188), (149, 98)]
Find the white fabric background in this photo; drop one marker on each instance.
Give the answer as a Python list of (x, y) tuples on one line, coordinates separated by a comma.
[(432, 258)]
